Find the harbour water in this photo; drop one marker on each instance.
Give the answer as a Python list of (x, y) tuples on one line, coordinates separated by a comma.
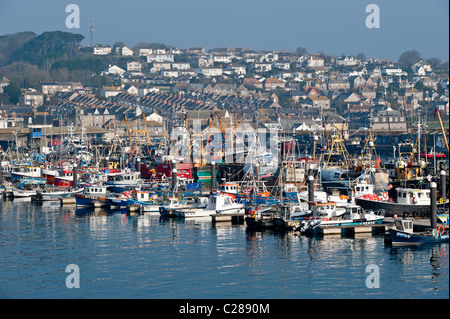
[(143, 256)]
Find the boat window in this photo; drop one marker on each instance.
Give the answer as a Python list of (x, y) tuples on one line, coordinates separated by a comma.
[(428, 195), (411, 195), (419, 195)]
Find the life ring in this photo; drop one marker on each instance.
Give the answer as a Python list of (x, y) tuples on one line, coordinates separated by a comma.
[(385, 195), (414, 200), (405, 215), (441, 229)]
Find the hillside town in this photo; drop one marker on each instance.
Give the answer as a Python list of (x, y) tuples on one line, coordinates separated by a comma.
[(291, 91)]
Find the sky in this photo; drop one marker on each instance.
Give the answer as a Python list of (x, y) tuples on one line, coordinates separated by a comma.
[(329, 26)]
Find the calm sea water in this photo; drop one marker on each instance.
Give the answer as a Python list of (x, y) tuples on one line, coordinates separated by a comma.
[(120, 256)]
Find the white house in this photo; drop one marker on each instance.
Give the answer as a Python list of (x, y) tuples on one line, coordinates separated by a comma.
[(205, 62), (393, 71), (282, 65), (263, 66), (238, 69), (209, 71), (108, 91), (315, 61), (134, 66), (102, 50), (131, 89), (421, 68), (222, 58), (181, 65), (144, 90), (346, 61), (126, 51), (145, 52), (170, 73), (269, 57), (114, 69), (154, 117), (159, 58)]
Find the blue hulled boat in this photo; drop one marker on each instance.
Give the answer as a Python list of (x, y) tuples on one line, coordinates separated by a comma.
[(92, 196), (403, 234)]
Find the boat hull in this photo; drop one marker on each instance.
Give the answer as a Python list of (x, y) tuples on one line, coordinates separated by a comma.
[(117, 203), (405, 210), (404, 238), (85, 201)]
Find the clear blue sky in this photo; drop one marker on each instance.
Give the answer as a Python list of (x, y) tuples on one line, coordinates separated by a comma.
[(334, 27)]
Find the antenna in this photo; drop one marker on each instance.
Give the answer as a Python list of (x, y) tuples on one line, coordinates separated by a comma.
[(92, 30)]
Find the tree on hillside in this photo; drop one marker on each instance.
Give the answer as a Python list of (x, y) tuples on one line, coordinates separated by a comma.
[(12, 42), (46, 48), (361, 56), (301, 51), (11, 93), (408, 58)]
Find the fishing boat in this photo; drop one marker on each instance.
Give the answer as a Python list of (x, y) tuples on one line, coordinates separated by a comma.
[(198, 203), (23, 193), (147, 201), (260, 217), (27, 173), (64, 179), (118, 201), (403, 234), (410, 202), (170, 205), (92, 196), (220, 204), (49, 176), (123, 181), (328, 215), (249, 194), (56, 194)]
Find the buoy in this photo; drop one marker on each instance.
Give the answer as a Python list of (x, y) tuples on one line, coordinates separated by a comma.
[(441, 229)]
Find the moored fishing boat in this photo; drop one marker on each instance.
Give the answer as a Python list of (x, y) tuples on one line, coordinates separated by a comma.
[(56, 194), (410, 202), (147, 201), (220, 204), (403, 234), (92, 196)]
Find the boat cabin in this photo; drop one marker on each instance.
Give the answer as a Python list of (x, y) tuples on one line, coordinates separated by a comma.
[(230, 188), (95, 190), (30, 171), (219, 202), (127, 178), (362, 189), (325, 209), (412, 196), (142, 196), (405, 225), (202, 202), (335, 174)]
